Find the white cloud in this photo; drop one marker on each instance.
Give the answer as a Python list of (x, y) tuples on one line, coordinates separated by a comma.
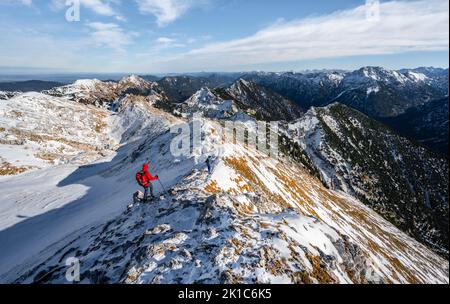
[(110, 35), (165, 11), (165, 42), (402, 26), (26, 2), (99, 6)]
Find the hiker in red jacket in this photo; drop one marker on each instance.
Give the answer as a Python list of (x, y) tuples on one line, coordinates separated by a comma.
[(144, 178)]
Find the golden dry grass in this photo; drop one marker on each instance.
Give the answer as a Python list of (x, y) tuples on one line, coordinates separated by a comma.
[(252, 182), (212, 188), (42, 138), (319, 272), (306, 191), (7, 169), (50, 157)]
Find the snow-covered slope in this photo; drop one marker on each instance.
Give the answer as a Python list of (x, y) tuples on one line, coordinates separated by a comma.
[(206, 103), (103, 94), (37, 131), (41, 207), (260, 102), (401, 180), (7, 95), (254, 219), (242, 98)]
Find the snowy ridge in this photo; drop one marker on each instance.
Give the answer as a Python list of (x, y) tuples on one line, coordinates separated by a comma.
[(206, 103), (63, 198), (253, 220), (81, 88), (417, 76), (7, 95), (262, 103), (102, 94), (37, 131), (133, 80)]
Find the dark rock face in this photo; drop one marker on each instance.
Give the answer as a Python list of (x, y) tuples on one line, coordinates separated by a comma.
[(262, 103), (180, 88)]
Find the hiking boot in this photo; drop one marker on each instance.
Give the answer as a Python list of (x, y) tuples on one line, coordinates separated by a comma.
[(148, 200)]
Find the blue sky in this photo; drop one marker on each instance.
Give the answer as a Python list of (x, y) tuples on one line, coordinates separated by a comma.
[(162, 36)]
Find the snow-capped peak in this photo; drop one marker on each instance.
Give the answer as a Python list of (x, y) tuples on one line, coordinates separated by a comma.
[(105, 94), (243, 82), (372, 72), (203, 96), (378, 74), (417, 77), (86, 84), (208, 104), (335, 77), (134, 80)]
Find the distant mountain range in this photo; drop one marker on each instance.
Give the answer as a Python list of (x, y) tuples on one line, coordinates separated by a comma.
[(396, 98), (29, 85), (373, 90)]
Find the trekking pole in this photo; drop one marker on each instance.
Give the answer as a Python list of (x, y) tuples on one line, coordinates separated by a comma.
[(164, 188)]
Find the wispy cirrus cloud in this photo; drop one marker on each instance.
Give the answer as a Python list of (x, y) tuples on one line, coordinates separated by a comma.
[(166, 11), (402, 26)]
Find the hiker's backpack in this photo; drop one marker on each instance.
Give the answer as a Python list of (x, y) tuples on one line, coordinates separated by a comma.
[(142, 179)]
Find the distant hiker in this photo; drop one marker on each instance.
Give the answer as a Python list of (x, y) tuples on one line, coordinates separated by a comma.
[(144, 178), (208, 163)]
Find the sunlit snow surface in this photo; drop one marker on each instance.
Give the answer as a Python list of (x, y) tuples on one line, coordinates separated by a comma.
[(253, 220)]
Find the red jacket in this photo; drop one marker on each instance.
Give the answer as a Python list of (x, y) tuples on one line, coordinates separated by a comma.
[(147, 178)]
